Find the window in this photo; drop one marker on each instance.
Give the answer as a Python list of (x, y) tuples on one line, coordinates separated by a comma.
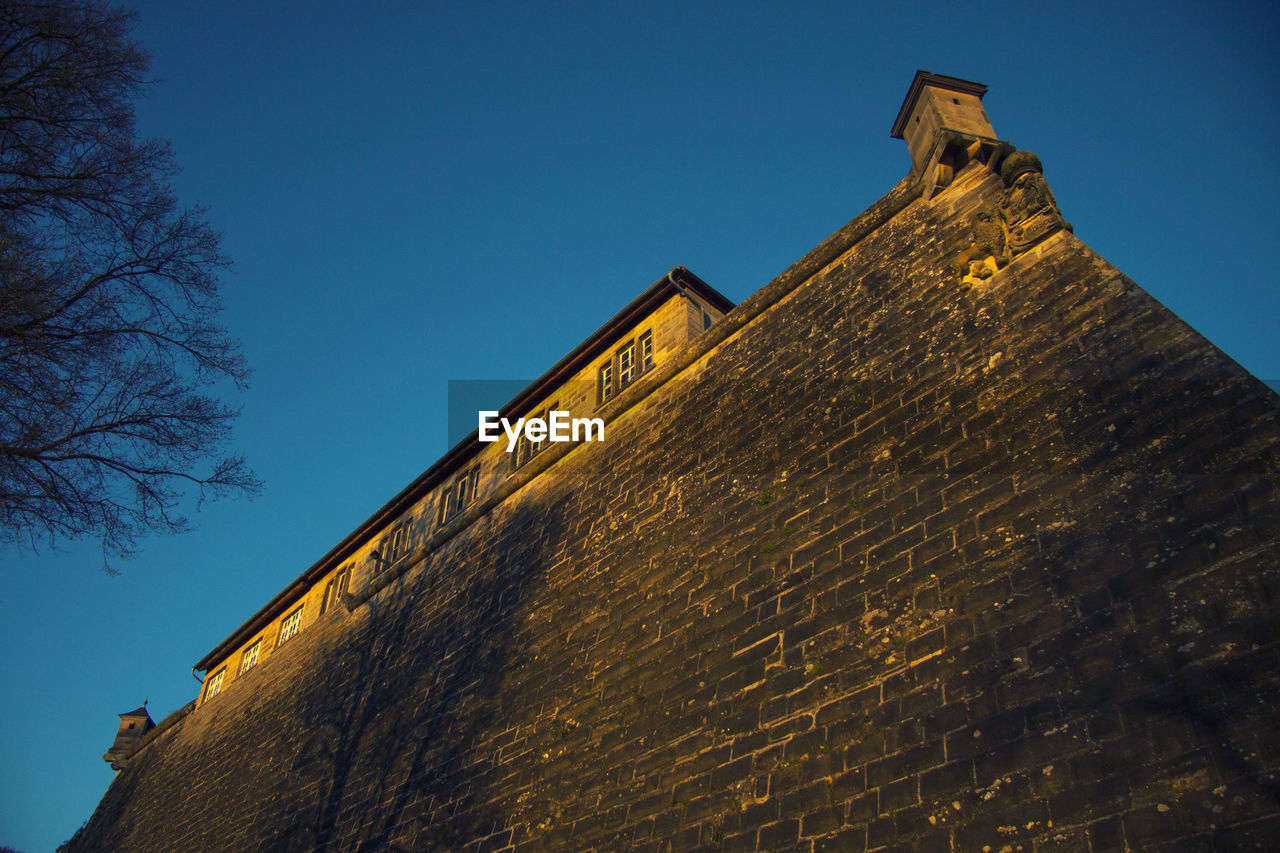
[(289, 626), (622, 369), (535, 447), (706, 318), (606, 380), (646, 352), (334, 589), (526, 449), (249, 658), (213, 684), (448, 509), (399, 543), (626, 365), (459, 495), (391, 548)]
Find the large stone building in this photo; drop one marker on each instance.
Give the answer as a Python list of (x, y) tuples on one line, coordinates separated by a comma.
[(948, 538)]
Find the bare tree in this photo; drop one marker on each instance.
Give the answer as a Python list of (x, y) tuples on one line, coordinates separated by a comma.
[(110, 349)]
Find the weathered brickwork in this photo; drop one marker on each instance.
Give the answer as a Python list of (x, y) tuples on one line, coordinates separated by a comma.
[(897, 563)]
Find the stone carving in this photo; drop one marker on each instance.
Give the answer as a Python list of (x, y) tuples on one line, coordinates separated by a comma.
[(986, 253), (1025, 215), (1028, 209)]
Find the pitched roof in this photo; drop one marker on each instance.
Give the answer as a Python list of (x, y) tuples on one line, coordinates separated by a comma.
[(138, 712)]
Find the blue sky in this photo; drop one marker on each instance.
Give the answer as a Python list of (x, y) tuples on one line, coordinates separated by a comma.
[(415, 193)]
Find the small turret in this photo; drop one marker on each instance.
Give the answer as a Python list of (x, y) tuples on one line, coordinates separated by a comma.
[(133, 725), (937, 104), (946, 128)]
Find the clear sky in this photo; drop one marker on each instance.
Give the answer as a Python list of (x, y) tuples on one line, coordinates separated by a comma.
[(419, 192)]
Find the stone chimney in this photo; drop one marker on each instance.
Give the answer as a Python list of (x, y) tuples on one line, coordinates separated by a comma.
[(133, 725)]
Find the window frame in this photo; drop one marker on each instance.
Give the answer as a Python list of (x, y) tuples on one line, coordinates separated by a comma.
[(527, 449), (645, 356), (397, 543), (292, 623), (606, 381), (535, 447), (249, 657), (626, 357), (459, 494), (213, 684), (334, 589), (612, 377)]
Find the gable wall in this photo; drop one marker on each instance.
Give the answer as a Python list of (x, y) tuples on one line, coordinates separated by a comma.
[(894, 564)]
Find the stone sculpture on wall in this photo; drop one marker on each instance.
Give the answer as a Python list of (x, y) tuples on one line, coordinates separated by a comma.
[(1028, 209), (1025, 216)]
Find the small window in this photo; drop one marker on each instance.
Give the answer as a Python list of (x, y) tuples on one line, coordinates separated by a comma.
[(459, 495), (391, 548), (626, 365), (527, 449), (554, 407), (289, 626), (646, 352), (132, 725), (334, 589), (447, 507), (213, 684), (249, 658), (706, 318), (606, 381), (535, 447), (399, 538)]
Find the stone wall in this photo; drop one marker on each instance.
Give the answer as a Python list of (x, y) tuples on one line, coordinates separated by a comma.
[(895, 563)]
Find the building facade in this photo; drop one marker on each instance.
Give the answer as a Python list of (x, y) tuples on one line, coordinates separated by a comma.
[(948, 538), (472, 476)]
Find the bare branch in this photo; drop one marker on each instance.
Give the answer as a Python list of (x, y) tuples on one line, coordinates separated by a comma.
[(108, 296)]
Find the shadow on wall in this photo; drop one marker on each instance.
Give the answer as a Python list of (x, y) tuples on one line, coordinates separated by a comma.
[(1156, 692), (387, 753)]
